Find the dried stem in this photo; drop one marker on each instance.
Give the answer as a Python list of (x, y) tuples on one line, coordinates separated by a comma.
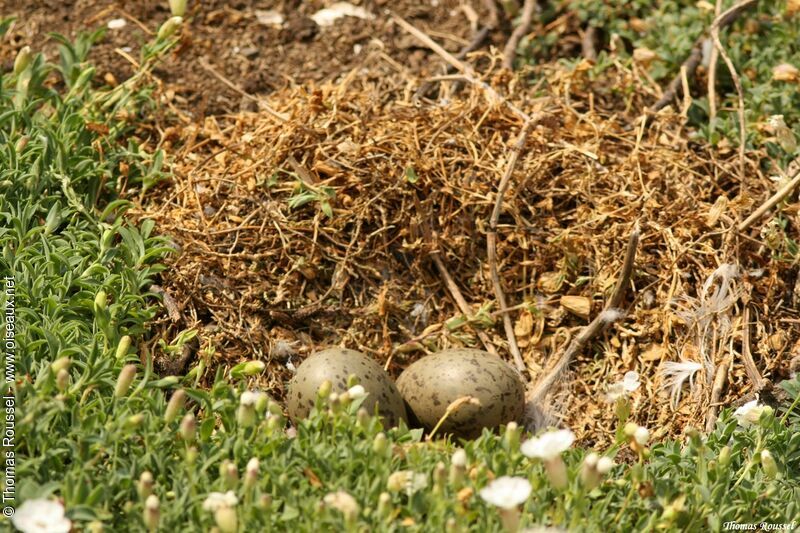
[(477, 41), (491, 246), (747, 356), (773, 200), (696, 55), (462, 67), (716, 393), (587, 43), (510, 51), (544, 384)]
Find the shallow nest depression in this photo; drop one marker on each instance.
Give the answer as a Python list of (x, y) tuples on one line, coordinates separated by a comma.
[(324, 229)]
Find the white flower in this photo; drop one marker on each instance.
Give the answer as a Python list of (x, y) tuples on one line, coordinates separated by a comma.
[(641, 435), (406, 480), (249, 398), (604, 465), (749, 413), (41, 516), (549, 445), (356, 392), (623, 388), (343, 502), (506, 492), (217, 500), (459, 458), (252, 466), (675, 373)]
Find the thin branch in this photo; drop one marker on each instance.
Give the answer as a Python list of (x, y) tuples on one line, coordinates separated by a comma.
[(712, 74), (491, 246), (774, 200), (477, 41), (462, 67), (747, 356), (740, 107), (510, 51), (588, 49), (696, 55), (544, 384), (716, 394)]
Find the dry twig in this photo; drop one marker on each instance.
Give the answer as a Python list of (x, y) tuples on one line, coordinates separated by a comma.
[(544, 385), (491, 246), (773, 200), (510, 51)]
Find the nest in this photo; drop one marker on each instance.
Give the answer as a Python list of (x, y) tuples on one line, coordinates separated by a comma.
[(326, 228)]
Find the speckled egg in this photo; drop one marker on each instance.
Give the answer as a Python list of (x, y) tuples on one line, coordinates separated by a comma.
[(335, 365), (432, 383)]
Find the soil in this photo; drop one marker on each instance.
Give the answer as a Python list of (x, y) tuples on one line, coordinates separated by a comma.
[(227, 37)]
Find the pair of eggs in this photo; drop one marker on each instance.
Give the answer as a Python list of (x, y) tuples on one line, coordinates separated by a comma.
[(423, 391)]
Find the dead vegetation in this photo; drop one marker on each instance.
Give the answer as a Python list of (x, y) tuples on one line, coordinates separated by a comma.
[(350, 222)]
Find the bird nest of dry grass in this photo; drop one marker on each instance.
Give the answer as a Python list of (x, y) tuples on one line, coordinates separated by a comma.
[(361, 215)]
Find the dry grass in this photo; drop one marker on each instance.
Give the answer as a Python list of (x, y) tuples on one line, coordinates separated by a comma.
[(263, 280)]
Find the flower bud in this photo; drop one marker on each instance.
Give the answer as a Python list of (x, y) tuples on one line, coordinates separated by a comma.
[(62, 363), (251, 473), (95, 526), (384, 505), (62, 380), (641, 435), (145, 485), (126, 376), (253, 368), (724, 457), (380, 444), (229, 474), (458, 468), (604, 465), (174, 406), (274, 424), (191, 455), (512, 436), (226, 519), (590, 476), (134, 421), (151, 512), (188, 428), (22, 60), (177, 7), (100, 301), (352, 381), (22, 142), (629, 429), (362, 418), (334, 402), (169, 27), (439, 477), (246, 415), (356, 392), (265, 502), (325, 389), (768, 464), (123, 347), (262, 403)]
